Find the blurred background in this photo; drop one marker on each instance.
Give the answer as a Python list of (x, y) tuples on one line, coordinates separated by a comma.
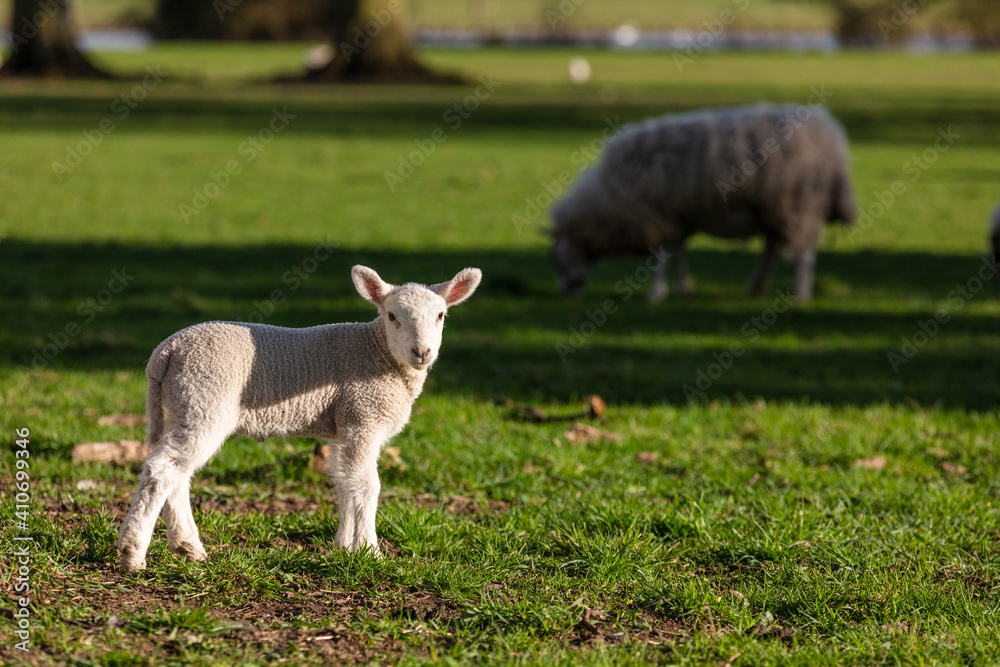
[(170, 162)]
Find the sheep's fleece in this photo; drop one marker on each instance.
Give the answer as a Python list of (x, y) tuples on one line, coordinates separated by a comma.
[(353, 384), (735, 173)]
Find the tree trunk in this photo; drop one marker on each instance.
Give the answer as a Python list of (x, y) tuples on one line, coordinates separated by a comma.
[(868, 23), (371, 41), (43, 43)]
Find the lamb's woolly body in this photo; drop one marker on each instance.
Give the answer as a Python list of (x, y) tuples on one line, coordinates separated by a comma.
[(284, 382), (667, 178), (353, 384)]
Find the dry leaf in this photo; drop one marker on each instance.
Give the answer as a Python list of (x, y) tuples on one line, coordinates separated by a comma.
[(649, 458), (392, 459), (121, 420), (530, 468), (581, 433), (597, 406), (953, 468), (898, 626), (874, 463), (122, 451)]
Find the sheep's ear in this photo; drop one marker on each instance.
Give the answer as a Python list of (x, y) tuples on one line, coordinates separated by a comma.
[(459, 288), (372, 288)]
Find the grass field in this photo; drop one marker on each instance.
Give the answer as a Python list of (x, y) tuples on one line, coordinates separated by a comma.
[(814, 506)]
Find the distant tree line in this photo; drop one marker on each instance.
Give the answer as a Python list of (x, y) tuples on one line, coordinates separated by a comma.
[(370, 40), (875, 22)]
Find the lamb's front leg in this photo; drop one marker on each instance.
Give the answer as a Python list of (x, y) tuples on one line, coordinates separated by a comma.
[(354, 470)]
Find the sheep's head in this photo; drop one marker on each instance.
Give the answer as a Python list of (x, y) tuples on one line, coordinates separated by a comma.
[(570, 265), (413, 313), (575, 218)]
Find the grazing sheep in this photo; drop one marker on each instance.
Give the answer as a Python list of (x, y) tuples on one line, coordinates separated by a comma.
[(773, 171), (353, 384)]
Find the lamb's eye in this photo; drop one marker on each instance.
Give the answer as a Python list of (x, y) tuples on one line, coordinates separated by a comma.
[(440, 316), (392, 318)]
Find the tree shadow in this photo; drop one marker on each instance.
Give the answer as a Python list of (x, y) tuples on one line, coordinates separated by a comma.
[(66, 308), (415, 109)]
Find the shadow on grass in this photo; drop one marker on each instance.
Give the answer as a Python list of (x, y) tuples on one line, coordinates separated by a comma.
[(58, 300), (412, 111)]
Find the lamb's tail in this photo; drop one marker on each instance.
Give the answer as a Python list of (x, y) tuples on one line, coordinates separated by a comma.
[(156, 370), (845, 207)]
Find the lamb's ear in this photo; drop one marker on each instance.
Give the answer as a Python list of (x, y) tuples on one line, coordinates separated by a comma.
[(372, 288), (459, 288)]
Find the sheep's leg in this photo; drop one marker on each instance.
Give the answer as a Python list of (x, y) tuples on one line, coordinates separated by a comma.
[(805, 264), (345, 500), (355, 474), (659, 290), (161, 473), (765, 268), (182, 532), (166, 472), (685, 286)]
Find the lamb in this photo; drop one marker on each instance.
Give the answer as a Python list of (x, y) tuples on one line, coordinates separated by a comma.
[(353, 384), (732, 173)]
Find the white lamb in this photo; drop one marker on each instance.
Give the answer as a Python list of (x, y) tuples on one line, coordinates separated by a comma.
[(353, 384)]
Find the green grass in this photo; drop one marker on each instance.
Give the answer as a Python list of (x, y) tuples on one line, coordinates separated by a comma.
[(737, 524)]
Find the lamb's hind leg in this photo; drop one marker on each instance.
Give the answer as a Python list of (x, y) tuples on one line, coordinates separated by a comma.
[(165, 474), (182, 532)]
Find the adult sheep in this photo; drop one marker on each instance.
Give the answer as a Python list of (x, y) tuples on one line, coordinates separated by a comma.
[(772, 171), (353, 384)]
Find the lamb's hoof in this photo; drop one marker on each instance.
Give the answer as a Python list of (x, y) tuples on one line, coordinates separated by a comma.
[(131, 564), (190, 551), (130, 560)]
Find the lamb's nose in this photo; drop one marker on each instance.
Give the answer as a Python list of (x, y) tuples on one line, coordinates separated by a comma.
[(422, 355)]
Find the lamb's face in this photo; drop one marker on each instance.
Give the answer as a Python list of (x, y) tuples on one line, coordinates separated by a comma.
[(414, 320), (413, 313), (571, 265)]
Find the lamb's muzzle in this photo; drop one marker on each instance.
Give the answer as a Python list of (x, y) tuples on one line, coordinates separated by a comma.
[(353, 384)]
